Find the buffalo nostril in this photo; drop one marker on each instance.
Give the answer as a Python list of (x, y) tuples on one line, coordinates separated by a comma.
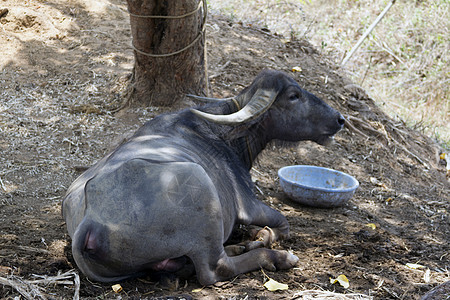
[(341, 120), (90, 244), (90, 240)]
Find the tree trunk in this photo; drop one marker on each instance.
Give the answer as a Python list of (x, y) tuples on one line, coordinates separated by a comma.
[(169, 52)]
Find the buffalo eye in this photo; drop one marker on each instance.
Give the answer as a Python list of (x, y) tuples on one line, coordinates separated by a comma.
[(293, 97)]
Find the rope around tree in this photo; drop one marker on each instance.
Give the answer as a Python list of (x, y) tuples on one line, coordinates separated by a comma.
[(201, 3)]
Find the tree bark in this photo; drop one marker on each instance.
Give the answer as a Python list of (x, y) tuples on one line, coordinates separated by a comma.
[(164, 80)]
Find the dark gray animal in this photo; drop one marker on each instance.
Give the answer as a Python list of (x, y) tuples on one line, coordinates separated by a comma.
[(178, 187)]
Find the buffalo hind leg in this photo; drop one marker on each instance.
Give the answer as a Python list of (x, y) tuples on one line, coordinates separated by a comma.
[(226, 267)]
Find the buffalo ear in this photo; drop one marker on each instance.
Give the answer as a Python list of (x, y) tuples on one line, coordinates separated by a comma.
[(259, 103)]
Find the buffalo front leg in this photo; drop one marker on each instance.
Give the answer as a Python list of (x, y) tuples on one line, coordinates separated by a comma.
[(275, 226), (263, 237)]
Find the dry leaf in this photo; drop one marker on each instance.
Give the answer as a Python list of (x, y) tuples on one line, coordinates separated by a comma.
[(117, 288), (342, 279), (273, 285), (371, 225), (197, 290), (296, 69)]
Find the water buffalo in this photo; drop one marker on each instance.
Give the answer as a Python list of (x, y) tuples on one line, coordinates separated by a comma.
[(181, 183)]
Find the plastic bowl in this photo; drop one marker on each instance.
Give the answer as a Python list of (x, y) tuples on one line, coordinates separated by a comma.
[(317, 186)]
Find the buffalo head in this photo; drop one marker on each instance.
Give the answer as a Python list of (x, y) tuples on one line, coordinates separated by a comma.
[(287, 111)]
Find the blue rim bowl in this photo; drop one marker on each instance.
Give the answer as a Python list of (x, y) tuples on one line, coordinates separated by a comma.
[(317, 186)]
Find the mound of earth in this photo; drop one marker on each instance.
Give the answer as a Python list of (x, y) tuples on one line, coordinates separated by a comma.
[(64, 70)]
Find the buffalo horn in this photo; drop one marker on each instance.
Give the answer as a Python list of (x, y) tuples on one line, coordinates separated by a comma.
[(258, 104)]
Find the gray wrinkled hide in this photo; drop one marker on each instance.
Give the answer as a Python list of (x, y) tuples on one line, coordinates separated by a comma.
[(179, 186), (153, 199)]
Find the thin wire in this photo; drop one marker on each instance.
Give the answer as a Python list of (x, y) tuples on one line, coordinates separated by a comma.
[(201, 33), (171, 53), (169, 17)]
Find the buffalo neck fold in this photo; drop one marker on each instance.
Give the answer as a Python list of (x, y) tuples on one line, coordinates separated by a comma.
[(246, 140)]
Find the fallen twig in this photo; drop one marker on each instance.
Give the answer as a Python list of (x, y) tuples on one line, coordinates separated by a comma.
[(427, 166), (351, 126), (2, 185), (384, 134), (326, 295), (31, 249), (30, 289)]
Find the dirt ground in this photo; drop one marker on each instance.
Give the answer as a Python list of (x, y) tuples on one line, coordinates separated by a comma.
[(65, 66)]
